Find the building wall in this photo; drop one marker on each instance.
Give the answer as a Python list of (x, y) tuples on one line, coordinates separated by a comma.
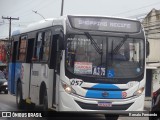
[(151, 25), (3, 51)]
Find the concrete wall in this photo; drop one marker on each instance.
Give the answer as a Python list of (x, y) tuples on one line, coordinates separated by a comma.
[(151, 25)]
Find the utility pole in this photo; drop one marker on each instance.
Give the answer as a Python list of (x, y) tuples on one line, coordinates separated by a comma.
[(62, 4), (10, 19), (10, 40)]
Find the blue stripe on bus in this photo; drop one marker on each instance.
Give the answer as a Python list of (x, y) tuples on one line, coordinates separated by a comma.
[(107, 86), (17, 73), (99, 94), (11, 77)]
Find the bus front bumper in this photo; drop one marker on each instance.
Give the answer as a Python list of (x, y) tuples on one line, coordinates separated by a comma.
[(68, 102)]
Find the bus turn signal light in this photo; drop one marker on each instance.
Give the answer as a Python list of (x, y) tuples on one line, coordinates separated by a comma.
[(139, 91), (67, 88)]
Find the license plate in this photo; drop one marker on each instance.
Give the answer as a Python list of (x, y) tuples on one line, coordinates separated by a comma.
[(104, 104)]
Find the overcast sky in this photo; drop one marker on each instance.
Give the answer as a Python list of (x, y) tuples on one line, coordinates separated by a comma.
[(51, 8)]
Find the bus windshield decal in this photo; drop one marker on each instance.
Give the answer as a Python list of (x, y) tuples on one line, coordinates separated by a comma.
[(104, 24), (83, 67)]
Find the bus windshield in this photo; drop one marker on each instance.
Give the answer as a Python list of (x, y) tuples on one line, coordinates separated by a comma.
[(104, 56)]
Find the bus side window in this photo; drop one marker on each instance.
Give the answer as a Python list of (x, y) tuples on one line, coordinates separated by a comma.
[(14, 51), (30, 50), (22, 48), (53, 53), (46, 45), (38, 47)]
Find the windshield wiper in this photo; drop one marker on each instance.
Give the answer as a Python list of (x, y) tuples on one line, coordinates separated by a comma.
[(97, 48), (93, 43), (117, 48)]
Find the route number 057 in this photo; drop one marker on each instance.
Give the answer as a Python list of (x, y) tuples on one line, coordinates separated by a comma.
[(76, 82)]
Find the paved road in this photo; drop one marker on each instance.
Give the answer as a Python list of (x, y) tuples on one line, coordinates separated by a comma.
[(8, 103)]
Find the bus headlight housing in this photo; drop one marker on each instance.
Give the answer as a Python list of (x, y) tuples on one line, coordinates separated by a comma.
[(139, 91), (68, 88)]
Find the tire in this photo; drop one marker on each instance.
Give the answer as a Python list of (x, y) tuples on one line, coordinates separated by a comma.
[(6, 92), (111, 117), (45, 101), (19, 100)]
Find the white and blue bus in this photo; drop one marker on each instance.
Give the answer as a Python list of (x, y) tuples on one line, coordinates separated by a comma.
[(80, 63)]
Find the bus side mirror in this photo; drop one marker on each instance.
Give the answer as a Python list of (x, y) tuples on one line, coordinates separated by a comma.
[(147, 48)]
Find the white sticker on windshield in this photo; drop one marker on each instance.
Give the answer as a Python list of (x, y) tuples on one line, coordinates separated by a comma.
[(83, 67), (98, 71)]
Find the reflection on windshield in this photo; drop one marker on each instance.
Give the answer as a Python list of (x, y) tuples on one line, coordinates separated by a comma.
[(121, 58)]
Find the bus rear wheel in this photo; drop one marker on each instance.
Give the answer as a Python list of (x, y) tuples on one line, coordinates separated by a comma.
[(19, 100)]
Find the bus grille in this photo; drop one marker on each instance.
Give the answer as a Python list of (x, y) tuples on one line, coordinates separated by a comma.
[(96, 107)]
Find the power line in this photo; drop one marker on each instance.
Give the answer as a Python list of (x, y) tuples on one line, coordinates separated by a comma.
[(15, 9), (26, 13), (139, 15), (137, 8), (143, 14)]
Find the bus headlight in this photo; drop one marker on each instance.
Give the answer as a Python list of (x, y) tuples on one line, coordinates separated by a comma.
[(139, 91), (68, 88)]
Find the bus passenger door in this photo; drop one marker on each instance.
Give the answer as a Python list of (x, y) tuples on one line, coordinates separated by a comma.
[(54, 63), (30, 52), (34, 81), (35, 71)]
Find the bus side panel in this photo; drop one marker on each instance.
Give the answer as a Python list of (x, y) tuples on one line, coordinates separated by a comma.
[(11, 76), (17, 74), (25, 79)]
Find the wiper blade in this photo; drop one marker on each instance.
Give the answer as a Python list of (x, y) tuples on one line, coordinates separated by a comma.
[(93, 43), (117, 48)]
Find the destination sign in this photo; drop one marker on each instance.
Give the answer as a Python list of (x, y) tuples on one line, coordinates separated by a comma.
[(104, 24)]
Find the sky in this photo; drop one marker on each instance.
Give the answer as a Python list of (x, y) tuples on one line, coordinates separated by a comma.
[(52, 8)]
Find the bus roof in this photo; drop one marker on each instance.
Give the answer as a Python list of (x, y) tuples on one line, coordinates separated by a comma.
[(57, 21), (39, 25)]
